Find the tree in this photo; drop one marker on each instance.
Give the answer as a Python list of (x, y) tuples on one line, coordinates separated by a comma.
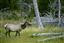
[(37, 14), (59, 11)]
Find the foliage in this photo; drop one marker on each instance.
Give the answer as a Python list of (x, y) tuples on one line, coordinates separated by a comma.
[(43, 5), (23, 6)]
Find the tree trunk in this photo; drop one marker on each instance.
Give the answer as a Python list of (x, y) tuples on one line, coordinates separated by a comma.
[(59, 14), (37, 14)]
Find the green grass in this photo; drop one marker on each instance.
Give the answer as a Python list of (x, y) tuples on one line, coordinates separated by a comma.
[(26, 35)]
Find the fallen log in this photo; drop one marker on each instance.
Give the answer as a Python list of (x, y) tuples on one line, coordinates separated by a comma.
[(50, 38), (47, 34)]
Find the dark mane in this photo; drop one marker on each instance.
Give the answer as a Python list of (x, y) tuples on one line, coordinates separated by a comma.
[(23, 26)]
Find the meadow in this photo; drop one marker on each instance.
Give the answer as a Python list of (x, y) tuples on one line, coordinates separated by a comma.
[(26, 35)]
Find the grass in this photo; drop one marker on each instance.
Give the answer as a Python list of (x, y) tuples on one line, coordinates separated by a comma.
[(26, 35)]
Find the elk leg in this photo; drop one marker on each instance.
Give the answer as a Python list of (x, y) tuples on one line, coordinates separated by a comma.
[(9, 33), (17, 33), (6, 33)]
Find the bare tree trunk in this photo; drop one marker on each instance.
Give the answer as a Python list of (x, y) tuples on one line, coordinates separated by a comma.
[(59, 14), (37, 14)]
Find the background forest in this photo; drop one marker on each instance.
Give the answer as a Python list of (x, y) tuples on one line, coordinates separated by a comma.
[(16, 9)]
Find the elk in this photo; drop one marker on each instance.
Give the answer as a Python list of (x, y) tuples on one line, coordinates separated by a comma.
[(15, 28)]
